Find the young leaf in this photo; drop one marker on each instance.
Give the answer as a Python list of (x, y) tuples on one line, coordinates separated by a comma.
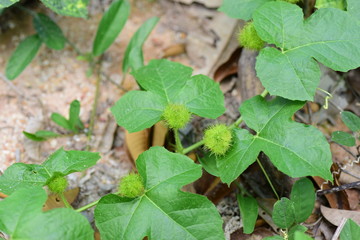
[(284, 213), (249, 212), (22, 56), (242, 9), (60, 163), (294, 229), (60, 120), (343, 138), (296, 149), (46, 134), (7, 3), (351, 121), (74, 119), (301, 236), (49, 32), (33, 137), (291, 72), (111, 25), (133, 57), (350, 231), (21, 217), (166, 83), (303, 197), (274, 238), (163, 212), (74, 8)]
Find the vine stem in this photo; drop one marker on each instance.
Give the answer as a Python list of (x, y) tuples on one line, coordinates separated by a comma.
[(179, 147), (66, 203), (234, 125), (87, 206), (94, 107), (267, 178)]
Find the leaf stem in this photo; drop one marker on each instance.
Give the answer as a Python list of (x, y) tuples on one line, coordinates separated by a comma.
[(87, 206), (267, 178), (194, 146), (66, 203), (179, 147)]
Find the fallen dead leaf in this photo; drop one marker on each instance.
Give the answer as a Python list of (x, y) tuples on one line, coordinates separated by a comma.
[(335, 216)]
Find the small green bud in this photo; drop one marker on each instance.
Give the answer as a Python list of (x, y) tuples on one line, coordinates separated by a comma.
[(217, 139), (57, 184), (131, 186), (248, 37), (176, 116)]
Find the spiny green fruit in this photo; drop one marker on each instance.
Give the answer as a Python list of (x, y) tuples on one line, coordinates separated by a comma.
[(131, 186), (248, 37), (176, 116), (217, 139), (58, 184)]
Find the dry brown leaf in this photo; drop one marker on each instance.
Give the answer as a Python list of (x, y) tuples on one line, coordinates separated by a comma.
[(54, 201), (137, 142), (174, 50), (335, 216)]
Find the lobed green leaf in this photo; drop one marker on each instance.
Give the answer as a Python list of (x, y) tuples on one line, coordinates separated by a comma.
[(340, 4), (291, 71), (133, 57), (163, 212), (7, 3), (60, 163), (22, 56), (241, 9), (296, 149), (49, 32), (350, 231), (21, 218), (111, 25)]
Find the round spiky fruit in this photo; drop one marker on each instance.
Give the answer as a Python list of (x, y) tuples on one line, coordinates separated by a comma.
[(131, 186), (176, 116), (58, 184), (217, 139), (248, 38)]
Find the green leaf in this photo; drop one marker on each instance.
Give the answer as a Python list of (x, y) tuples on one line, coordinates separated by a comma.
[(49, 32), (138, 110), (340, 4), (33, 137), (46, 134), (22, 56), (303, 197), (301, 236), (208, 162), (133, 57), (241, 9), (274, 238), (60, 120), (163, 212), (74, 8), (296, 149), (249, 212), (74, 119), (350, 231), (343, 138), (111, 25), (7, 3), (294, 229), (21, 217), (351, 121), (166, 83), (60, 163), (353, 8), (285, 72), (284, 213)]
